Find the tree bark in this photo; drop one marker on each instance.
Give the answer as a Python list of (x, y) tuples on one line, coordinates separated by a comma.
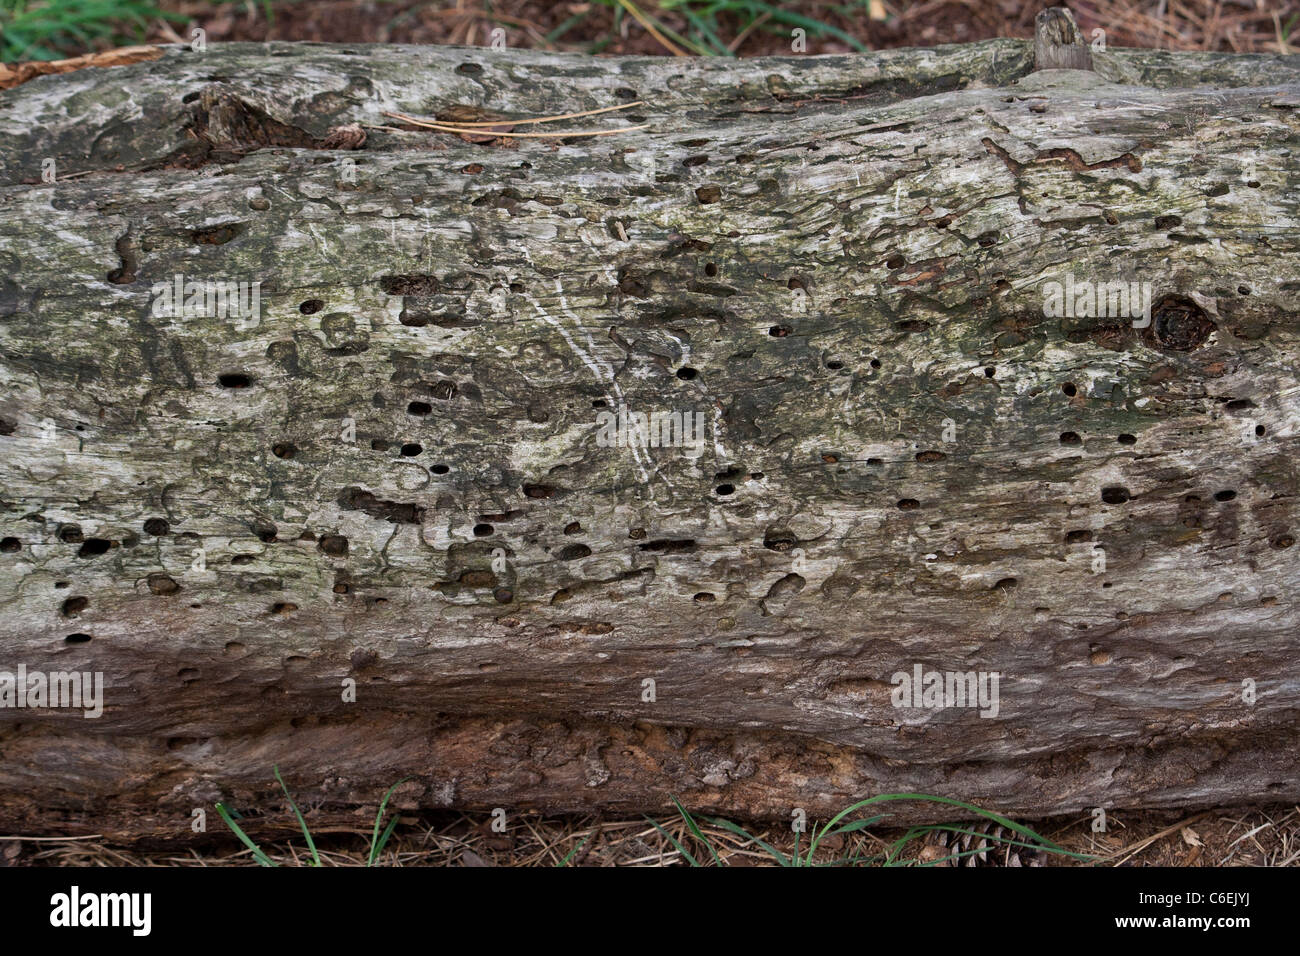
[(396, 473)]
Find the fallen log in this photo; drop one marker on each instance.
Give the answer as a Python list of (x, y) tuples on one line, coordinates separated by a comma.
[(579, 471)]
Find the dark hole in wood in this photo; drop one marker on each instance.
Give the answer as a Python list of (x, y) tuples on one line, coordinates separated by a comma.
[(1179, 324), (335, 545), (93, 547)]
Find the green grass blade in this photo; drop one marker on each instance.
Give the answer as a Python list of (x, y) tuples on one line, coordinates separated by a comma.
[(383, 841), (740, 831), (568, 857), (258, 855), (676, 846), (566, 26), (375, 844), (311, 844), (704, 30), (808, 23), (695, 830)]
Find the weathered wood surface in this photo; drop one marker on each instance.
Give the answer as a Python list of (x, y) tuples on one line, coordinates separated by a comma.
[(832, 259)]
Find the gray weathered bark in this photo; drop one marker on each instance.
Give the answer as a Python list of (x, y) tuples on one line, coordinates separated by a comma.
[(838, 262)]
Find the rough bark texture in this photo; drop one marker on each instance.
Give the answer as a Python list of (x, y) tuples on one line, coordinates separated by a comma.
[(838, 261)]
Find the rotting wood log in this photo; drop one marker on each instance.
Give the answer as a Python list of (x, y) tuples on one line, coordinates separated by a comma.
[(403, 468)]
